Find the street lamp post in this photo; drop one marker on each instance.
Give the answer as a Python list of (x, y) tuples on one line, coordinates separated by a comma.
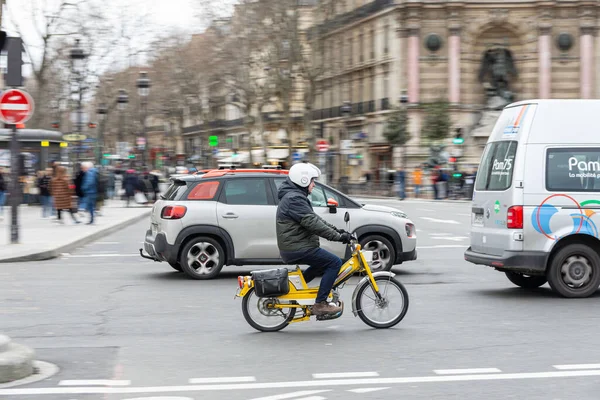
[(346, 110), (143, 85), (102, 110), (122, 100), (403, 101), (78, 56)]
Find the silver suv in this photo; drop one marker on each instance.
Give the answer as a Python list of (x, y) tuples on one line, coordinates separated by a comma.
[(227, 217)]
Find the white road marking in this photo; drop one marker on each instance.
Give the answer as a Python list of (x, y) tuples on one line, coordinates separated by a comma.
[(441, 221), (94, 382), (466, 371), (301, 384), (465, 215), (336, 375), (367, 390), (567, 367), (161, 398), (226, 379), (444, 246), (426, 209), (453, 239), (292, 395), (101, 255), (105, 243)]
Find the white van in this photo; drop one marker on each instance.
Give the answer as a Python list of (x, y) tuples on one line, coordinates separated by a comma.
[(537, 196)]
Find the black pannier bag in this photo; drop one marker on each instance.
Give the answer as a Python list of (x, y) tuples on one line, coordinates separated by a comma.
[(271, 283)]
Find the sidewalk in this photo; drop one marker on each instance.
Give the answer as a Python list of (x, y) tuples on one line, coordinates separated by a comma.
[(42, 239)]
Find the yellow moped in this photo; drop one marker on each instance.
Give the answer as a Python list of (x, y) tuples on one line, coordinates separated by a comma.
[(379, 299)]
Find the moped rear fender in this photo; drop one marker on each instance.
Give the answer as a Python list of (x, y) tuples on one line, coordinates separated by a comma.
[(365, 281)]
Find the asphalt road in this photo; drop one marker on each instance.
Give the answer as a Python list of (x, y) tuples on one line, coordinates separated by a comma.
[(121, 327)]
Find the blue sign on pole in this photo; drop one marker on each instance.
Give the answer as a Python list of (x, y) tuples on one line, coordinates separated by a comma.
[(297, 156)]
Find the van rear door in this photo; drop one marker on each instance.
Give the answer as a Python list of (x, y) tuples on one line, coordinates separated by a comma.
[(496, 219)]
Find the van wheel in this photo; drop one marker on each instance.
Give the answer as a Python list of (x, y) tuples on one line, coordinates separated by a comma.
[(384, 254), (202, 258), (526, 281), (575, 271)]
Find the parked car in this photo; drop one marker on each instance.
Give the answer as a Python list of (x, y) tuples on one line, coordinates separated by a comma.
[(227, 217)]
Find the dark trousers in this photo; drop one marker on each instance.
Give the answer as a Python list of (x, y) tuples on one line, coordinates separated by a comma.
[(320, 262), (71, 211)]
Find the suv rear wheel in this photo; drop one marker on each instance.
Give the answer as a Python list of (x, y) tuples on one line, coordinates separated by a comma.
[(202, 258), (384, 253)]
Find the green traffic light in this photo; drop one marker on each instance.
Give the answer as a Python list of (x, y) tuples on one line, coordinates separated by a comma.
[(213, 140), (131, 156), (458, 141), (456, 175)]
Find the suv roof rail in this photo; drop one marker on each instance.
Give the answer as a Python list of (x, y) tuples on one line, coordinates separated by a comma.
[(222, 172), (271, 167)]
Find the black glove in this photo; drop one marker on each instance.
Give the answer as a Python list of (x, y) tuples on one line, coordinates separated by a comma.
[(345, 238)]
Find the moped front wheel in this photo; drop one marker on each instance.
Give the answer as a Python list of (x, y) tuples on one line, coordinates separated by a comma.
[(261, 315), (385, 311)]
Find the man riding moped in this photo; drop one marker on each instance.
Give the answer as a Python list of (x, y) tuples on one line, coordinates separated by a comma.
[(298, 232)]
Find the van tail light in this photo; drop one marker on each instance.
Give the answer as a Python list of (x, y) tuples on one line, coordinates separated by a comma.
[(514, 217), (173, 212)]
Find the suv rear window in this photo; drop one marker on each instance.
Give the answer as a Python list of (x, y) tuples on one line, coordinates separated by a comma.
[(573, 170), (497, 165), (175, 191), (204, 191)]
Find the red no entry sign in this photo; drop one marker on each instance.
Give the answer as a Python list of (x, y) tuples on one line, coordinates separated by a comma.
[(16, 106), (322, 145)]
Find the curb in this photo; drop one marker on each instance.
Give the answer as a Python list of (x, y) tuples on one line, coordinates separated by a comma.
[(54, 253)]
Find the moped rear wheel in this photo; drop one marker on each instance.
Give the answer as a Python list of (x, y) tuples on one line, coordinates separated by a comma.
[(387, 311), (262, 317)]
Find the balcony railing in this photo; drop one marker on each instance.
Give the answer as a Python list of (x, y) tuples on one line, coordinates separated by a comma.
[(385, 104), (370, 106)]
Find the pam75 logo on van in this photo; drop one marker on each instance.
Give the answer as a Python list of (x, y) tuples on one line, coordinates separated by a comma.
[(502, 168)]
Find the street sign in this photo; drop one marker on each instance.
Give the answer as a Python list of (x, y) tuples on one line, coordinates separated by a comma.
[(322, 145), (297, 156), (16, 106), (347, 147), (73, 137)]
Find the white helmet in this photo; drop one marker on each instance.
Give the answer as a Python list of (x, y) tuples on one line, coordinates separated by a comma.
[(303, 173)]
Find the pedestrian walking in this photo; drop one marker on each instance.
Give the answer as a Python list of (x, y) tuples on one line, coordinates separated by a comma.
[(130, 183), (417, 181), (3, 186), (89, 188), (63, 195), (43, 185)]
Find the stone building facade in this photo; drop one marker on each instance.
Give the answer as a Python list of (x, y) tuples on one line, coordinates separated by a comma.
[(434, 50)]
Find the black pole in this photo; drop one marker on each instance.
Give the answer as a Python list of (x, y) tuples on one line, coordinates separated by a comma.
[(144, 132), (15, 195), (100, 140), (79, 123)]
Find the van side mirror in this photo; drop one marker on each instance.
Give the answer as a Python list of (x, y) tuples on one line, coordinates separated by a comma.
[(333, 205), (347, 217)]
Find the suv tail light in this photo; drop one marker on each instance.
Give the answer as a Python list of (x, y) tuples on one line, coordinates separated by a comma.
[(173, 212), (514, 217)]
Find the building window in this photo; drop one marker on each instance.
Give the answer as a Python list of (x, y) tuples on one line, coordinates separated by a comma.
[(361, 47), (350, 52), (386, 39), (386, 82), (372, 43)]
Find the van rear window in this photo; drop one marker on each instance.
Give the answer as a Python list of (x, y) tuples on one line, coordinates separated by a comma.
[(573, 170), (497, 165)]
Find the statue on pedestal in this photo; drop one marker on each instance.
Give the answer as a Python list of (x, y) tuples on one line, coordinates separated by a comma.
[(497, 65)]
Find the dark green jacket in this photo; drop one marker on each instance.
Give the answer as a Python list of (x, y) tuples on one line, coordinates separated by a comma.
[(298, 227)]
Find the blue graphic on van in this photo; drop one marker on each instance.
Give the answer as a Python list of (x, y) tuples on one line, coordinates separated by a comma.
[(582, 222)]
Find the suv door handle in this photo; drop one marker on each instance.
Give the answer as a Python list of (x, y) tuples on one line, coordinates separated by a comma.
[(230, 215)]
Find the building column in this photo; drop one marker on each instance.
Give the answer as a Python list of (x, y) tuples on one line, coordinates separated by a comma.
[(586, 42), (413, 65), (454, 65), (544, 62)]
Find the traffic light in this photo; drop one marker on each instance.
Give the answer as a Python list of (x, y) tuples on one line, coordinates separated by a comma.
[(131, 156), (458, 138), (452, 159), (213, 141), (457, 175), (92, 125)]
